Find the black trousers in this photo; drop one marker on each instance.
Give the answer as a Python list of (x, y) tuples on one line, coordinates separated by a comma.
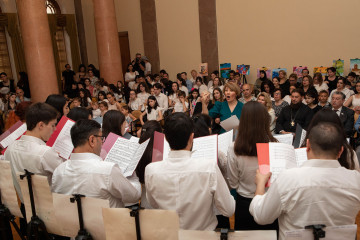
[(245, 221)]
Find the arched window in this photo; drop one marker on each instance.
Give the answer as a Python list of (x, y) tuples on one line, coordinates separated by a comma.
[(5, 65)]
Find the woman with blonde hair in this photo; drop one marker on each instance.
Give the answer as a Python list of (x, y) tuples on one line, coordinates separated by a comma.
[(319, 83), (265, 100)]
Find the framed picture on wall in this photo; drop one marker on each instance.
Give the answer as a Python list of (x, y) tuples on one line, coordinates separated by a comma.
[(267, 71), (225, 70), (355, 66), (339, 65), (322, 70), (275, 72), (203, 69), (298, 70), (243, 69)]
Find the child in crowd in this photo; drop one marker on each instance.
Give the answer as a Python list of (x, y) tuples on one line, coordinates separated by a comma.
[(129, 118), (76, 102), (182, 105), (152, 111), (103, 106), (323, 98), (96, 112), (193, 99)]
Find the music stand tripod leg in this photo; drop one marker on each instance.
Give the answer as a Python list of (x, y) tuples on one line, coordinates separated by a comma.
[(82, 234)]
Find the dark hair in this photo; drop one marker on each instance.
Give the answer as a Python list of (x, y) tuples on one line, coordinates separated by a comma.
[(112, 122), (67, 65), (191, 96), (270, 84), (202, 124), (82, 130), (178, 128), (147, 131), (340, 93), (81, 66), (293, 75), (39, 112), (158, 85), (163, 71), (329, 116), (21, 109), (331, 69), (304, 70), (281, 92), (254, 127), (102, 93), (199, 79), (313, 94), (84, 100), (172, 91), (352, 74), (326, 137), (114, 89), (3, 73), (324, 91), (265, 77), (104, 103), (299, 91), (127, 68), (57, 101), (144, 85), (221, 95), (149, 108), (181, 94), (78, 113)]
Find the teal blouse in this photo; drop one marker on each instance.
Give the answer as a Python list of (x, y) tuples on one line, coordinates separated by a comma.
[(221, 110)]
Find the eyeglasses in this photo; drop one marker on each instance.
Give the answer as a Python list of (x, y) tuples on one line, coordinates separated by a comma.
[(102, 137)]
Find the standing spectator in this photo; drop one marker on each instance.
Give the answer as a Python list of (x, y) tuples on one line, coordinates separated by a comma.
[(278, 104), (147, 65), (81, 74), (130, 75), (139, 64), (68, 78), (93, 79), (331, 79), (261, 79), (7, 85), (94, 70)]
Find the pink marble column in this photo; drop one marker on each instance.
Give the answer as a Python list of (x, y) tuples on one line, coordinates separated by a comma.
[(107, 41), (38, 49)]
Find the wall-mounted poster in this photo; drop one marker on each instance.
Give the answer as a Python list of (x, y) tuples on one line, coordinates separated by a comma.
[(243, 69), (203, 69), (322, 70), (355, 66), (225, 69), (298, 70), (275, 72), (339, 65), (267, 71)]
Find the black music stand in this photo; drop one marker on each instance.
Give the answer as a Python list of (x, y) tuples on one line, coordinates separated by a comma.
[(36, 228), (135, 213), (317, 230), (82, 234)]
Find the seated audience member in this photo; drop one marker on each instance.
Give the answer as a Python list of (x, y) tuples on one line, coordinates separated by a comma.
[(194, 98), (114, 121), (265, 100), (216, 84), (199, 84), (204, 97), (346, 114), (182, 84), (6, 85), (319, 83), (146, 132), (23, 83), (96, 112), (103, 108), (311, 99), (278, 104), (10, 104), (86, 173), (331, 78), (319, 192), (152, 111), (30, 151), (192, 188), (276, 82), (89, 87), (268, 87), (143, 92), (246, 94), (112, 103), (59, 103), (243, 162), (307, 84), (182, 105), (237, 79), (161, 98), (304, 73), (85, 100), (354, 100), (352, 78), (293, 80), (217, 95), (78, 113), (194, 75), (260, 80), (20, 96), (323, 99), (129, 118), (76, 102), (296, 113), (189, 83), (135, 103), (287, 98), (102, 97), (173, 97), (341, 88), (17, 115)]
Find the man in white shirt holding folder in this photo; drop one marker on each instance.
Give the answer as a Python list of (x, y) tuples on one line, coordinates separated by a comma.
[(319, 192), (192, 187), (86, 173)]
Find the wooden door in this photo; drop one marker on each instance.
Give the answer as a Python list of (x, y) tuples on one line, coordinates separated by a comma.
[(124, 49)]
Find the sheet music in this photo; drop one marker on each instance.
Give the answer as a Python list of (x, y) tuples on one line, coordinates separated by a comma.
[(224, 141), (166, 149), (122, 152), (332, 233), (13, 136), (300, 156), (230, 123), (135, 160), (134, 139), (63, 144), (303, 136), (284, 138), (205, 147), (281, 156)]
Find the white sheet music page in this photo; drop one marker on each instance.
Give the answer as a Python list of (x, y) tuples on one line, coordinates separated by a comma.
[(136, 158), (63, 144), (224, 141), (281, 156), (303, 136), (300, 156), (122, 152), (285, 138), (205, 147), (230, 123), (13, 136)]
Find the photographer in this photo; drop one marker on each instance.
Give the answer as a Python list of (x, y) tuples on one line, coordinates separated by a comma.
[(139, 64)]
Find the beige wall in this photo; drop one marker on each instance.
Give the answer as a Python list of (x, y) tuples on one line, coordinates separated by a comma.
[(178, 35), (287, 33)]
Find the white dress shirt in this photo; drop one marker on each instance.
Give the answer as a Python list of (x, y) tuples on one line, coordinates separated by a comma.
[(319, 192), (88, 174), (163, 101), (136, 104), (241, 173), (192, 187), (32, 154)]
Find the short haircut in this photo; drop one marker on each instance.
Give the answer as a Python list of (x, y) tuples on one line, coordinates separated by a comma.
[(233, 87), (67, 65), (82, 130), (57, 101), (181, 94), (331, 69), (326, 138), (78, 113), (125, 107), (158, 85), (293, 75), (178, 128), (3, 73), (340, 93), (299, 91), (324, 91), (305, 69), (104, 104), (110, 93), (39, 112), (279, 90), (202, 124)]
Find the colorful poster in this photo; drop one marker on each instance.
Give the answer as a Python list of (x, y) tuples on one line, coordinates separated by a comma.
[(267, 70), (339, 65), (355, 66), (203, 69), (225, 69), (275, 72), (298, 70), (322, 70), (243, 69)]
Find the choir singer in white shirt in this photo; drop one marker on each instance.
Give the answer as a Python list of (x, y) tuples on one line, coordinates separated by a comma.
[(86, 173), (192, 187), (321, 191)]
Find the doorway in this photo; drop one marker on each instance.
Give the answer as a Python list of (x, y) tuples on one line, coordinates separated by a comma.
[(125, 50)]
